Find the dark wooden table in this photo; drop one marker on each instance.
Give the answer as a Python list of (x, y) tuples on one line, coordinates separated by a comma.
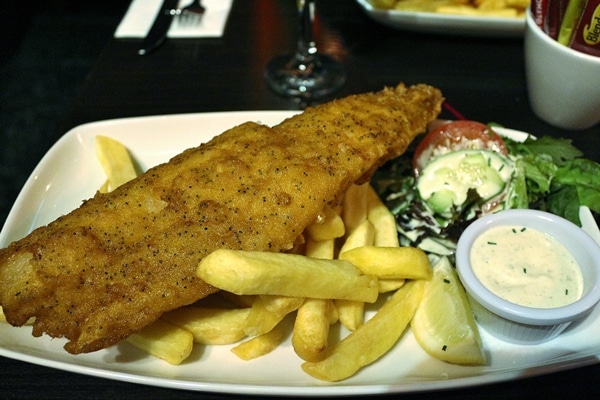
[(483, 78)]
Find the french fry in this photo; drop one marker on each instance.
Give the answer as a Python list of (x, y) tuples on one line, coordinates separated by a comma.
[(115, 161), (378, 229), (389, 285), (476, 8), (362, 235), (351, 313), (210, 325), (329, 226), (372, 339), (268, 311), (384, 222), (260, 345), (354, 206), (105, 187), (165, 341), (390, 262), (471, 11), (324, 249), (311, 329), (518, 4), (254, 272)]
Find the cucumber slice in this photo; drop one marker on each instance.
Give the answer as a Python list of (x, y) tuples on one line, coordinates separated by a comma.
[(441, 200), (446, 181)]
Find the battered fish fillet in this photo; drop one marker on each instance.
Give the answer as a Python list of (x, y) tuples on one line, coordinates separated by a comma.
[(118, 262)]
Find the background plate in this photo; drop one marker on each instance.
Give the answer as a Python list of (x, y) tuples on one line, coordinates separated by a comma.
[(70, 173), (445, 23)]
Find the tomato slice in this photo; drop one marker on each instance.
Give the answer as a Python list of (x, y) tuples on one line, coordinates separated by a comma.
[(456, 135)]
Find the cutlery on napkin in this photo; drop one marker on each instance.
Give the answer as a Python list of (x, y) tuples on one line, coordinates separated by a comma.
[(141, 14)]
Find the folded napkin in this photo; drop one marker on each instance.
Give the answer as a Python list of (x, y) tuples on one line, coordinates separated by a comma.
[(141, 14)]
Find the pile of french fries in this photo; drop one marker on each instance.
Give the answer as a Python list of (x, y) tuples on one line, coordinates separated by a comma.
[(349, 257), (490, 8), (344, 260)]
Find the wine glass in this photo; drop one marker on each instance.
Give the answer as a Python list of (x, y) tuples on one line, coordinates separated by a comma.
[(306, 74)]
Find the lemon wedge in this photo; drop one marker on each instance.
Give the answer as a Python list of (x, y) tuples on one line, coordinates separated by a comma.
[(444, 325)]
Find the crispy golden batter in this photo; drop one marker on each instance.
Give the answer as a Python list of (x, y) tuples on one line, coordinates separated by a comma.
[(118, 262)]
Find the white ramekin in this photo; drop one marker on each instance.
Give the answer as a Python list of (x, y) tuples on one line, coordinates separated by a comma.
[(520, 324)]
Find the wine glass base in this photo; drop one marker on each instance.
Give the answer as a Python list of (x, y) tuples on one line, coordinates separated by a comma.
[(312, 77)]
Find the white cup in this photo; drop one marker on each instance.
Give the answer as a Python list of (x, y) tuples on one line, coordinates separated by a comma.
[(563, 84)]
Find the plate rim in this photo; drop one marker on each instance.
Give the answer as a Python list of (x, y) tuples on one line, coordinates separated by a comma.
[(564, 362)]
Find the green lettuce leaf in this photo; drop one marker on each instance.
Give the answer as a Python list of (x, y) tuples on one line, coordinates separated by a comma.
[(583, 175), (558, 178)]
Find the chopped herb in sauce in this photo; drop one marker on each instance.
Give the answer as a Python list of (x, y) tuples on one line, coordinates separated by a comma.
[(529, 268)]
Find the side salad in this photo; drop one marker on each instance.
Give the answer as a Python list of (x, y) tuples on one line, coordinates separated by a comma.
[(463, 169)]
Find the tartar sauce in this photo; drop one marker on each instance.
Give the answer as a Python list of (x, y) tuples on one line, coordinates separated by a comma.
[(526, 267)]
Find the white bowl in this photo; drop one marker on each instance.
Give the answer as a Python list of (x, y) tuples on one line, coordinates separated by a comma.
[(520, 324)]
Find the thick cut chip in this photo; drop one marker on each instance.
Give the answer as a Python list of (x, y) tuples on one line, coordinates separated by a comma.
[(354, 206), (372, 339), (257, 272), (165, 341), (210, 325), (329, 225), (116, 162), (362, 235), (260, 345), (268, 311), (351, 313), (444, 325), (320, 249), (390, 262), (311, 329), (389, 285), (384, 222)]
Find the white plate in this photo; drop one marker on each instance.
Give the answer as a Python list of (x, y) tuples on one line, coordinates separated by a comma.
[(70, 173), (445, 23)]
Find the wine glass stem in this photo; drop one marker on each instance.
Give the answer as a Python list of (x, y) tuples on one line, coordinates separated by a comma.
[(305, 73), (306, 43)]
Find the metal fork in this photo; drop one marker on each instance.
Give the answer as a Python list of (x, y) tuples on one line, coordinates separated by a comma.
[(190, 14)]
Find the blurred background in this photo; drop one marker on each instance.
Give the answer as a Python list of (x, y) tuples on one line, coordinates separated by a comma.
[(47, 48)]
